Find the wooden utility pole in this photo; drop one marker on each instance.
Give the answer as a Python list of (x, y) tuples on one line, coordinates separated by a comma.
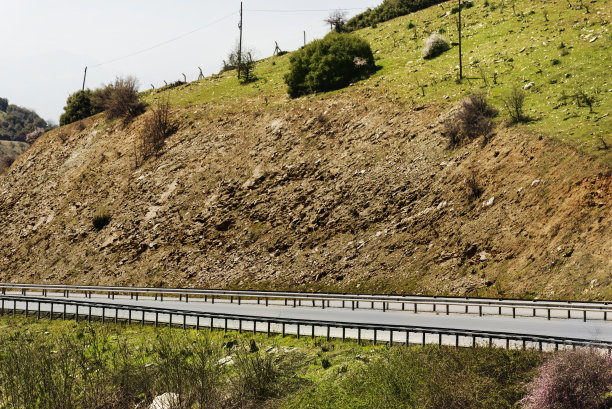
[(459, 26), (84, 77), (240, 43), (304, 38)]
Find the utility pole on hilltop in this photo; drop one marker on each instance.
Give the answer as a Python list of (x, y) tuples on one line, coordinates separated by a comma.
[(459, 26), (304, 38), (84, 77), (240, 43)]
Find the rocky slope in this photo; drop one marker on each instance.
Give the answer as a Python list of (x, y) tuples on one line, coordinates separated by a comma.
[(338, 194)]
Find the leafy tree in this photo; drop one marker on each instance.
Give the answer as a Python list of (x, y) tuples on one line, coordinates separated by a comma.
[(328, 64), (3, 104), (389, 9), (78, 106)]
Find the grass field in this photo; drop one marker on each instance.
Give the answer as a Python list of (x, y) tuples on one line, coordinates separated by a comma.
[(562, 50), (44, 363)]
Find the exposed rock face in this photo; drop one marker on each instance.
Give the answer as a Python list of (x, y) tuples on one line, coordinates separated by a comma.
[(350, 196)]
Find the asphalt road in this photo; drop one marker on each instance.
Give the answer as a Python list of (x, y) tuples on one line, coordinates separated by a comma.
[(595, 330)]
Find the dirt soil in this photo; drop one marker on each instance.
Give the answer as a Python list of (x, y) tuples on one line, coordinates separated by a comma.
[(335, 195)]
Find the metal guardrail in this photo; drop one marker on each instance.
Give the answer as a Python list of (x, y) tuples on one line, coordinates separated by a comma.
[(463, 305), (10, 305)]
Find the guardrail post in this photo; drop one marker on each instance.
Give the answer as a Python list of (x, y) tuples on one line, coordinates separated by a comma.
[(605, 315), (374, 336), (266, 301), (584, 316), (480, 310), (184, 321), (26, 309), (131, 296), (490, 341), (51, 313), (456, 340), (500, 310), (358, 336), (103, 312), (14, 307), (225, 326), (323, 304), (556, 346), (353, 305), (211, 323), (300, 302), (328, 330), (434, 307), (64, 313), (283, 330), (466, 308), (298, 331), (372, 304), (180, 297), (403, 306), (549, 314), (239, 326), (170, 321), (473, 341), (130, 316), (357, 304), (424, 340), (384, 306), (258, 301), (2, 306), (205, 297), (447, 309), (76, 316), (198, 323), (156, 319), (38, 315), (212, 299), (136, 295), (415, 308), (239, 300), (268, 329), (186, 297), (3, 291), (254, 327), (161, 296), (294, 303), (391, 338), (507, 343), (513, 312), (142, 323), (312, 327), (524, 344), (342, 303), (116, 315), (407, 338), (540, 345), (343, 334), (112, 296), (534, 312), (439, 339)]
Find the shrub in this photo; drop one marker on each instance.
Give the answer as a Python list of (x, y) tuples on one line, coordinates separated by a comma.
[(157, 127), (120, 99), (572, 380), (555, 61), (257, 376), (78, 106), (101, 220), (410, 25), (473, 119), (514, 102), (435, 45), (328, 64), (472, 187), (5, 162)]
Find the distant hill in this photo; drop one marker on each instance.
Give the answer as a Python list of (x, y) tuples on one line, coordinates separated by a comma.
[(388, 10), (17, 123)]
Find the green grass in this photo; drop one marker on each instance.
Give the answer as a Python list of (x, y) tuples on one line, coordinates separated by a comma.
[(121, 363), (504, 47)]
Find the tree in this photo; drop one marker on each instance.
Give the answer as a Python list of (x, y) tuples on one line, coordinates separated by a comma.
[(3, 104), (78, 106), (336, 21)]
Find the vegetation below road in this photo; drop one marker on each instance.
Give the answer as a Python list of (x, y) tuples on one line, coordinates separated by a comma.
[(70, 365)]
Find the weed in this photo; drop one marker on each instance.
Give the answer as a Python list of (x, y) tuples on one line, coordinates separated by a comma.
[(101, 220), (514, 102), (435, 45)]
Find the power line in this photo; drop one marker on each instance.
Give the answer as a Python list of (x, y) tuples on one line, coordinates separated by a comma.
[(303, 10), (167, 41)]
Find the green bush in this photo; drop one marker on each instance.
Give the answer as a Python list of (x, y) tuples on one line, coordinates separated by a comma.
[(328, 64), (78, 106), (388, 10)]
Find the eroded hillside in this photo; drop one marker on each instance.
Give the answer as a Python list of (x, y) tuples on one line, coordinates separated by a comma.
[(339, 193)]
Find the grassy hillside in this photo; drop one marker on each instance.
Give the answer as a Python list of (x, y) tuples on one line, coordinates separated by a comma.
[(506, 44), (12, 148), (353, 190)]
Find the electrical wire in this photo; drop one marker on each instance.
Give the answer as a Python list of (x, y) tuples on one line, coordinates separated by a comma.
[(303, 10), (167, 41)]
